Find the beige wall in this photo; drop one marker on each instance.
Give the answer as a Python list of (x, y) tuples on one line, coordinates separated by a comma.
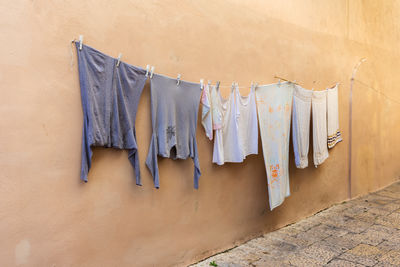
[(49, 218)]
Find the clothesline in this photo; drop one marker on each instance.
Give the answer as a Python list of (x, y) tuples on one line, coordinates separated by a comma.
[(377, 91), (80, 40)]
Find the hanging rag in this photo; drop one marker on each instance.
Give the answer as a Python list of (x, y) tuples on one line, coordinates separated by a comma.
[(174, 109), (110, 97), (301, 117), (320, 142), (247, 122), (334, 135), (225, 124), (274, 104), (206, 112)]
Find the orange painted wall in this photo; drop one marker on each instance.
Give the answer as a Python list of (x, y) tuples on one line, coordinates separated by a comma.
[(49, 218)]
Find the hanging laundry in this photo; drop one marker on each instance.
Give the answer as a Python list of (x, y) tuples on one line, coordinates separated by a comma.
[(174, 109), (320, 142), (206, 112), (274, 104), (301, 117), (225, 124), (110, 97), (334, 135), (247, 122)]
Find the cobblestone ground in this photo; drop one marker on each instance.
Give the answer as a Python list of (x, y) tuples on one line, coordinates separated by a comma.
[(361, 232)]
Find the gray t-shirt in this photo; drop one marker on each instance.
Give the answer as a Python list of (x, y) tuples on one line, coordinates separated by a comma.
[(110, 97), (174, 119)]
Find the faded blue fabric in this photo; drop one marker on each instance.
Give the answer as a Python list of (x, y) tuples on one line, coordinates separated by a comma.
[(110, 97), (174, 110)]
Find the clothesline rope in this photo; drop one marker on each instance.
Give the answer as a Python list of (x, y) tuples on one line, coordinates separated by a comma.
[(249, 87), (220, 86), (377, 91)]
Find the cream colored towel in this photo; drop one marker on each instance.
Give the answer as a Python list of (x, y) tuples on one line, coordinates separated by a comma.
[(301, 117), (320, 142), (334, 135)]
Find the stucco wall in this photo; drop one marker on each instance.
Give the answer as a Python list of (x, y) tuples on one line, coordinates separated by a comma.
[(49, 218)]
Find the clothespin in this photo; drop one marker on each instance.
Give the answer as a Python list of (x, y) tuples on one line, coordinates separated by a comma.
[(209, 82), (80, 42), (147, 70), (279, 82), (151, 72), (217, 84), (233, 86), (119, 59), (178, 79), (201, 84)]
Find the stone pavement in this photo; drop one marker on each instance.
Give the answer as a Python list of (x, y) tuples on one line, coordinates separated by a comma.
[(361, 232)]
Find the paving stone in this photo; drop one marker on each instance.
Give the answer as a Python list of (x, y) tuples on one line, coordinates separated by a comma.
[(291, 230), (283, 247), (371, 236), (392, 257), (327, 230), (379, 211), (300, 260), (378, 199), (364, 203), (321, 252), (391, 207), (388, 232), (343, 243), (339, 221), (356, 226), (270, 262), (388, 193), (390, 245), (228, 264), (343, 263), (308, 223), (385, 264), (296, 241), (261, 243), (363, 254), (391, 220), (338, 208)]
